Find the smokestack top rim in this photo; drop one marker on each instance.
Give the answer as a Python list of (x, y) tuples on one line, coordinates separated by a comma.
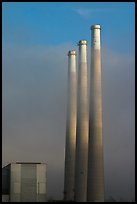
[(71, 52), (82, 42), (96, 26)]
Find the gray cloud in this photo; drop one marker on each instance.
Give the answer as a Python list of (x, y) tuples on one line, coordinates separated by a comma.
[(118, 119), (34, 113)]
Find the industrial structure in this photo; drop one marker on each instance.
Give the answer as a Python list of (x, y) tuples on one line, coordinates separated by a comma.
[(82, 125), (24, 182), (85, 153), (84, 165), (95, 186), (71, 128)]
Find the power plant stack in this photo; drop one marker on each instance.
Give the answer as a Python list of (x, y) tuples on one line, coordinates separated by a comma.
[(95, 182), (71, 128), (82, 126), (84, 165)]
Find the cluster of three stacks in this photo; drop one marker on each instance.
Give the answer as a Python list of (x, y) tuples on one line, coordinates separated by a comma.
[(84, 169)]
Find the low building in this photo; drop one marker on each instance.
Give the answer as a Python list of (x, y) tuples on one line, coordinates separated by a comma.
[(24, 182)]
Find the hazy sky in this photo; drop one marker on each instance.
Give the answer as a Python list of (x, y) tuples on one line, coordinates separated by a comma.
[(36, 38)]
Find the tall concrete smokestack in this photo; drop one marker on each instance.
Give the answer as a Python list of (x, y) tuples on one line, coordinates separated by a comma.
[(71, 128), (95, 183), (82, 126)]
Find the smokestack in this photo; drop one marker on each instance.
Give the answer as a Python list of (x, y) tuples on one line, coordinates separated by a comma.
[(82, 126), (71, 128), (95, 183)]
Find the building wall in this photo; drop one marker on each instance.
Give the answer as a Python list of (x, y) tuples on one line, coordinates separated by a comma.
[(6, 180), (41, 183), (27, 182), (5, 198), (15, 182)]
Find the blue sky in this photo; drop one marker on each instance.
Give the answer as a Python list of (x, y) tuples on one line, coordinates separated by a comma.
[(36, 38), (56, 23)]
